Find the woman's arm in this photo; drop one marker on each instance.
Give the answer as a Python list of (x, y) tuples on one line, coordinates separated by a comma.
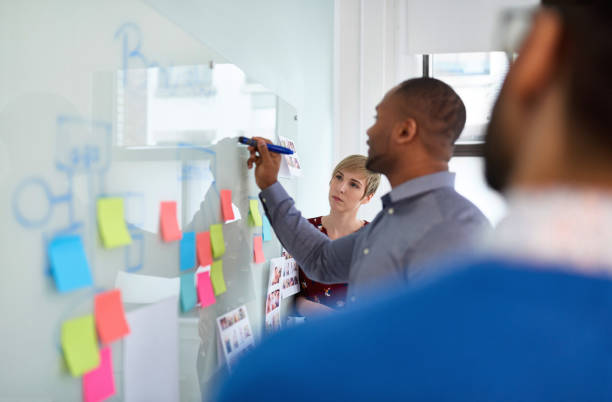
[(310, 309)]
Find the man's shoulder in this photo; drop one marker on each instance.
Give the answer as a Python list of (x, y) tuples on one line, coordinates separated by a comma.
[(454, 206)]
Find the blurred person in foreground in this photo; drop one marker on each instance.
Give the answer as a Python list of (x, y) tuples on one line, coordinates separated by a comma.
[(530, 322)]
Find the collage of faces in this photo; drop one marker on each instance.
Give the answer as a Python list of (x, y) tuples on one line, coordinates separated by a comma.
[(235, 334)]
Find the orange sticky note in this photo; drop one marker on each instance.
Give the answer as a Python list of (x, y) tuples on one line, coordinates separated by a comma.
[(206, 294), (99, 383), (226, 205), (110, 317), (168, 223), (258, 254), (203, 249)]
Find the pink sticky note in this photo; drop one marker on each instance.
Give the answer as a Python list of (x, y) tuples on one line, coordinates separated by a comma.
[(203, 249), (226, 205), (110, 317), (206, 295), (169, 225), (99, 383), (258, 250)]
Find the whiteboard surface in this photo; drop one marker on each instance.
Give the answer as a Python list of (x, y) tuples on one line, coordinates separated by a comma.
[(61, 113)]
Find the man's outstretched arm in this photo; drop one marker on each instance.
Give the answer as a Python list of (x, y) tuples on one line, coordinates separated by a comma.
[(322, 259)]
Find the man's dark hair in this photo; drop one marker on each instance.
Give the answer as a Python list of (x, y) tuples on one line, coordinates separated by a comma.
[(437, 101), (587, 59)]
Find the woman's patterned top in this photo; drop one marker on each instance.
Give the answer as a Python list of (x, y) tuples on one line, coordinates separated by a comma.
[(333, 296)]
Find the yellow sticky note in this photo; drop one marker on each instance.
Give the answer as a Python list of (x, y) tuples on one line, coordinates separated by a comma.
[(111, 223), (216, 240), (80, 345), (255, 217), (216, 277)]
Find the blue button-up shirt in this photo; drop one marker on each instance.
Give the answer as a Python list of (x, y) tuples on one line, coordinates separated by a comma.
[(422, 219)]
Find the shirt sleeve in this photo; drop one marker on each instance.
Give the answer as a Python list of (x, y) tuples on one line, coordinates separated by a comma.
[(322, 259)]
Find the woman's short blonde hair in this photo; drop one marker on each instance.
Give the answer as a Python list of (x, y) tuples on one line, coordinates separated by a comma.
[(357, 163)]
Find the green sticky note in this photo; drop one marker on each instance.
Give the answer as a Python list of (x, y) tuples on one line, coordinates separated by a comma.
[(111, 223), (216, 240), (80, 345), (216, 277), (254, 216)]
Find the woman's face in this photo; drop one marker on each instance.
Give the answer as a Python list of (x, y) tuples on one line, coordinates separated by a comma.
[(346, 191)]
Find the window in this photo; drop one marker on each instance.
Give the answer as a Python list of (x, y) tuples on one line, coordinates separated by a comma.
[(477, 78), (191, 104)]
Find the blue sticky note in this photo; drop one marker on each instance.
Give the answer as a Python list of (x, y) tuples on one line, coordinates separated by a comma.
[(188, 291), (69, 266), (266, 229), (188, 251)]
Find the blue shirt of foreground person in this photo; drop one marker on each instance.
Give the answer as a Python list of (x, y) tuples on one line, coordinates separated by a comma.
[(423, 217), (490, 333), (532, 323)]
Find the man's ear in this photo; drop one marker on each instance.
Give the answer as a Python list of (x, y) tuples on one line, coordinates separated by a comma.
[(537, 63), (404, 131)]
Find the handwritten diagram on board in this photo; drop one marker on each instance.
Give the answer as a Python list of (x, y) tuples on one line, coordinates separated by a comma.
[(66, 151)]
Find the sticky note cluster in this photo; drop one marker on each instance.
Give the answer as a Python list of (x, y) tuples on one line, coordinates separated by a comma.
[(206, 294), (80, 345), (169, 227), (111, 223), (216, 240), (258, 254), (204, 251), (110, 317), (99, 383), (188, 292), (69, 266), (188, 251), (266, 230), (216, 277), (226, 205), (254, 216)]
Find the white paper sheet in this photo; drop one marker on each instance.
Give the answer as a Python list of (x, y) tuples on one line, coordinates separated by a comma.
[(237, 215), (290, 279), (273, 296), (150, 353), (290, 164), (145, 288), (235, 334)]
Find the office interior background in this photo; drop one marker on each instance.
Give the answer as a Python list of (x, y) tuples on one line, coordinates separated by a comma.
[(324, 63)]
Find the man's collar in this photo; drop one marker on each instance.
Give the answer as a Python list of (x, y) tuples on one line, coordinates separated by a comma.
[(417, 186)]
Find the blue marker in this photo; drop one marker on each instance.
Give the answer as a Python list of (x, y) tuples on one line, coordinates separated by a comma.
[(271, 147)]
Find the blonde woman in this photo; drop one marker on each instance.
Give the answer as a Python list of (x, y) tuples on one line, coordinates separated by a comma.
[(350, 187)]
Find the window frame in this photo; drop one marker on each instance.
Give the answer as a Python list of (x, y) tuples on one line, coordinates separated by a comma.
[(461, 149)]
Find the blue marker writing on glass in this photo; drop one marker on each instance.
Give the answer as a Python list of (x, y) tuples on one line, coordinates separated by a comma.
[(271, 147)]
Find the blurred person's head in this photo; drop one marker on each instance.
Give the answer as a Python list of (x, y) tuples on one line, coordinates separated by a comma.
[(417, 124), (552, 123), (351, 184)]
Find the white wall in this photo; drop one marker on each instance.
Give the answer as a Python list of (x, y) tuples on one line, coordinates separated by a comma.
[(450, 26), (368, 62), (286, 45)]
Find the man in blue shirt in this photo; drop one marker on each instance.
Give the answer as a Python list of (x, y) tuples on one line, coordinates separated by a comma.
[(530, 322), (423, 217)]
